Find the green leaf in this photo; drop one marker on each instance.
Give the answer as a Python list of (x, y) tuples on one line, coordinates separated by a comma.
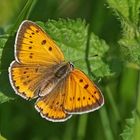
[(128, 13), (4, 98), (24, 14), (128, 10), (2, 138), (6, 51), (72, 36), (128, 132), (98, 64), (137, 124), (2, 43)]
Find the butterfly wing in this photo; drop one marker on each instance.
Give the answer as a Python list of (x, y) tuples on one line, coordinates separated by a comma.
[(51, 106), (36, 56), (26, 80), (34, 46), (82, 94)]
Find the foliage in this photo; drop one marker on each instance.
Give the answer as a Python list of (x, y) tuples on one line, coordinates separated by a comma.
[(128, 14), (105, 52), (2, 138), (128, 132)]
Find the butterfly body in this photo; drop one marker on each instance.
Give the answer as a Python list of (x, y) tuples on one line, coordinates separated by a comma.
[(59, 72), (64, 69), (40, 71)]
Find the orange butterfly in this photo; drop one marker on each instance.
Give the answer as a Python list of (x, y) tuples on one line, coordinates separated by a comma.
[(40, 71)]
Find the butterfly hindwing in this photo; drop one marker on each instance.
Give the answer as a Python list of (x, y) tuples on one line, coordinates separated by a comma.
[(51, 106), (82, 94), (26, 79), (34, 46)]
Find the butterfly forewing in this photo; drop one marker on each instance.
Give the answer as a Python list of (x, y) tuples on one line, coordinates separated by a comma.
[(82, 94), (34, 46)]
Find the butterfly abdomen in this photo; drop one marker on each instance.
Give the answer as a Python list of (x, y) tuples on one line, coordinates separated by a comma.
[(55, 78)]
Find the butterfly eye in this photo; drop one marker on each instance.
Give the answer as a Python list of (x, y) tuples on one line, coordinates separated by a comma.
[(71, 65)]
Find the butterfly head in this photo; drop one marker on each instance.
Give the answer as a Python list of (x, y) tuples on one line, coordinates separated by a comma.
[(71, 65)]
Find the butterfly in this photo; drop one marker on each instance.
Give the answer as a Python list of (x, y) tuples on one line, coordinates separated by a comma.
[(41, 71)]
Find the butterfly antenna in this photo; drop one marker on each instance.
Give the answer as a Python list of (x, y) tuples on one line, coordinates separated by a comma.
[(68, 53), (89, 58)]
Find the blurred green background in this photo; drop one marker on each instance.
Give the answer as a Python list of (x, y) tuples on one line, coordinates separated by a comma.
[(18, 118)]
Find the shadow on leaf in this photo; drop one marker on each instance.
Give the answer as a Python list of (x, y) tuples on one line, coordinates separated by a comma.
[(6, 59)]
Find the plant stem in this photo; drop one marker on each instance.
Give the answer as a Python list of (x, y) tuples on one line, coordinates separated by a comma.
[(113, 104), (137, 122), (68, 131), (106, 124), (24, 14), (81, 132)]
